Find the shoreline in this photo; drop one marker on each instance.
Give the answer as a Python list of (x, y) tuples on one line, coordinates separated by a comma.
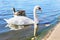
[(48, 35)]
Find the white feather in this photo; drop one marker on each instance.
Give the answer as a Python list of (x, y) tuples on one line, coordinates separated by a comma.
[(6, 20)]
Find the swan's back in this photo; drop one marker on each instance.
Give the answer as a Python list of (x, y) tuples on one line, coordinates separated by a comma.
[(20, 20)]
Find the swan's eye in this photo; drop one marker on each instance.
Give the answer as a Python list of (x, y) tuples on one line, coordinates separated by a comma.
[(39, 8)]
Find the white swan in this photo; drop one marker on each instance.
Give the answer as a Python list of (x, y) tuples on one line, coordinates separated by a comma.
[(22, 20)]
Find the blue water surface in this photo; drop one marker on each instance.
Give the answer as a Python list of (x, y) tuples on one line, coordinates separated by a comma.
[(50, 10)]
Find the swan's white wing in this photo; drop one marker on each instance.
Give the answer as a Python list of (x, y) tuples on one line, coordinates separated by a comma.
[(20, 20), (24, 21)]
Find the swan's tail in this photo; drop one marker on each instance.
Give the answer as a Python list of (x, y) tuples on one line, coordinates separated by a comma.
[(6, 20)]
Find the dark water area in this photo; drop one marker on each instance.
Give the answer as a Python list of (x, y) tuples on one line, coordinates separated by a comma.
[(50, 11)]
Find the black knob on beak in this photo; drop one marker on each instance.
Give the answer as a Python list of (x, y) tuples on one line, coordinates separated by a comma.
[(40, 9)]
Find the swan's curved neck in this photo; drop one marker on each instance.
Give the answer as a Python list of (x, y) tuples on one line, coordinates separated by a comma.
[(35, 16)]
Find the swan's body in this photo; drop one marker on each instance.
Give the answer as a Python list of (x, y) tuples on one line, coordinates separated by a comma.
[(22, 20)]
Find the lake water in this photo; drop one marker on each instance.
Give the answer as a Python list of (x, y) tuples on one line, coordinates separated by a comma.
[(50, 10)]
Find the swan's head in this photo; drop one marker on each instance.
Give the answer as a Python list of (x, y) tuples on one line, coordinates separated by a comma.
[(37, 8)]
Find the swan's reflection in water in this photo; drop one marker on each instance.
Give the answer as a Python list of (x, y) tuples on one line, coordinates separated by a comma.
[(21, 34), (14, 27), (18, 27)]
